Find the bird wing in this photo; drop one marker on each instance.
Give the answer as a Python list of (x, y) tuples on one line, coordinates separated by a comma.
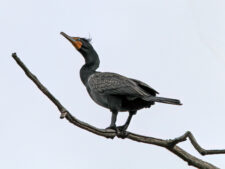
[(146, 87), (115, 84)]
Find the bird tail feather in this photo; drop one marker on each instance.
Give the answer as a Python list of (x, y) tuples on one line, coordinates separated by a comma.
[(163, 100)]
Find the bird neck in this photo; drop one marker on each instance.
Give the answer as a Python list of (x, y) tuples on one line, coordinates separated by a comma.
[(91, 64)]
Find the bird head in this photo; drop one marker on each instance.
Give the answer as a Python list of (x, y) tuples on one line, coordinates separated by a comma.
[(84, 46), (81, 44)]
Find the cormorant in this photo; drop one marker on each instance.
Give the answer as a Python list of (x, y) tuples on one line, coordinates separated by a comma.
[(113, 91)]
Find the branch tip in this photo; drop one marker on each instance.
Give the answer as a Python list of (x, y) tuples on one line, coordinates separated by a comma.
[(14, 55)]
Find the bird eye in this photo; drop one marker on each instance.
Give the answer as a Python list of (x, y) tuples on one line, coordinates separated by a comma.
[(76, 39)]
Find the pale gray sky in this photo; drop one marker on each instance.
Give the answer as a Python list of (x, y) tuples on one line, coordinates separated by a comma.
[(175, 46)]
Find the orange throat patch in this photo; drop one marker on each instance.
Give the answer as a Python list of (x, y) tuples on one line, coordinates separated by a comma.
[(77, 44)]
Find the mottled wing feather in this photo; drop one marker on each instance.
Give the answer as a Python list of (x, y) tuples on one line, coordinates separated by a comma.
[(146, 87), (114, 84)]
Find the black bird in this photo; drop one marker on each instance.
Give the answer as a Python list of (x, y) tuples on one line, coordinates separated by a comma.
[(113, 91)]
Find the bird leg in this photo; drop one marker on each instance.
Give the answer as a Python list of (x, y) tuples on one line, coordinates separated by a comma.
[(113, 120), (124, 127)]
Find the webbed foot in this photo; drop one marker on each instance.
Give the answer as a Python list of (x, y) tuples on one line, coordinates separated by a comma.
[(121, 131)]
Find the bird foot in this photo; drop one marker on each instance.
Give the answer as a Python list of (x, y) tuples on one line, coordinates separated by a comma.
[(121, 131)]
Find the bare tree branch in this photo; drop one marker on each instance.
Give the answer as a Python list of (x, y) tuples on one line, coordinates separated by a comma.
[(201, 150), (170, 144)]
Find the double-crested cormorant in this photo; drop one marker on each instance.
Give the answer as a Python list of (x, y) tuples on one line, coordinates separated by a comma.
[(113, 91)]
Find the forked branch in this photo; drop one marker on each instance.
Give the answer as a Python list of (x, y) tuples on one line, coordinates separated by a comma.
[(170, 144)]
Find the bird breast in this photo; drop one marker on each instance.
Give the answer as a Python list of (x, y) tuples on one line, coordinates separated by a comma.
[(98, 98)]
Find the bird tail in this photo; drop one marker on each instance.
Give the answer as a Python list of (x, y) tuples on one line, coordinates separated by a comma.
[(163, 100)]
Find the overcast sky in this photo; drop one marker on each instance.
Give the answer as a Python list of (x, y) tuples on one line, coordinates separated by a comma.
[(175, 46)]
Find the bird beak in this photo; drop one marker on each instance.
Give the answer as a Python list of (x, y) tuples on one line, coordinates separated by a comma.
[(76, 43), (68, 37)]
